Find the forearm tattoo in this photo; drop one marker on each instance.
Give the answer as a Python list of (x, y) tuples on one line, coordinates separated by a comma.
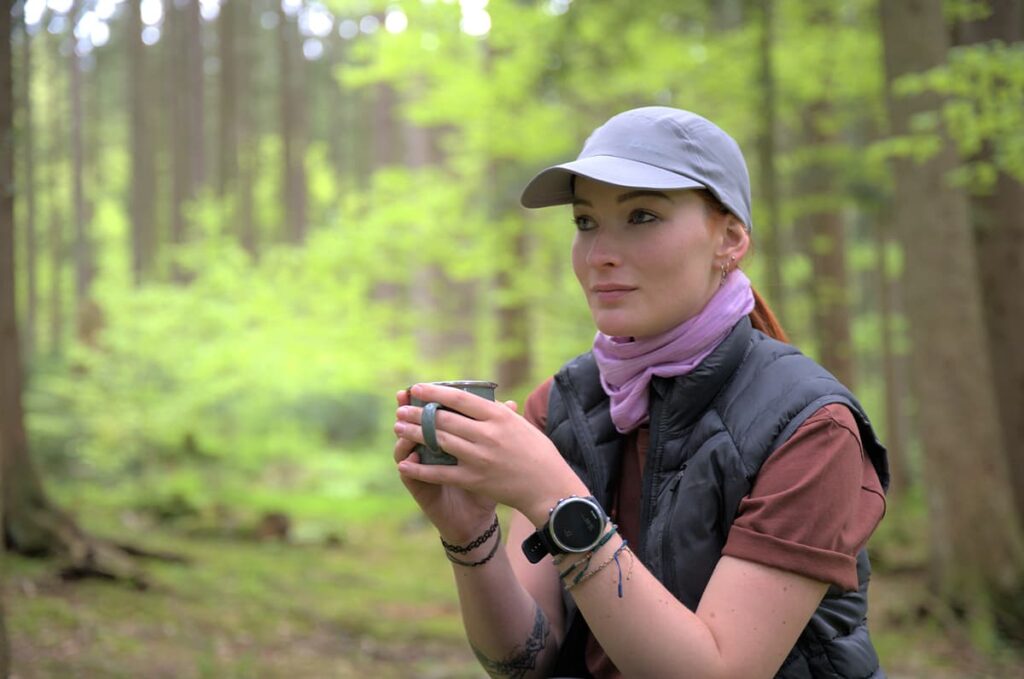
[(523, 659)]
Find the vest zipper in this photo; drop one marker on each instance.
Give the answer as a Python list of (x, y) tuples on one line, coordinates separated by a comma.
[(674, 484), (651, 466)]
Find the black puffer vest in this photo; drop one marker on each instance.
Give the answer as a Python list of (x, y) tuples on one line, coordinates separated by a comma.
[(710, 432)]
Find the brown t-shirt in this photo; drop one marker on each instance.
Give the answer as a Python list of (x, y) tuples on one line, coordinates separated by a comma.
[(812, 507)]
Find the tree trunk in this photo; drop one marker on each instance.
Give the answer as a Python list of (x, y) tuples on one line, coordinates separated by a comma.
[(823, 231), (893, 376), (194, 78), (227, 177), (419, 294), (514, 337), (31, 525), (28, 188), (143, 182), (8, 327), (246, 135), (771, 232), (293, 143), (514, 346), (977, 550), (175, 67), (999, 236), (55, 232), (184, 92), (85, 309), (427, 292), (448, 306)]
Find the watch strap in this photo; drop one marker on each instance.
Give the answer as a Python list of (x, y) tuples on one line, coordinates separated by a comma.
[(535, 547)]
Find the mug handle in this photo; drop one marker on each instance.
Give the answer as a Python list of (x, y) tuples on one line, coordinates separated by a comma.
[(428, 422)]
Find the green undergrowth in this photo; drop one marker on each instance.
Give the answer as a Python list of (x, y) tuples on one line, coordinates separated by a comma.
[(358, 589)]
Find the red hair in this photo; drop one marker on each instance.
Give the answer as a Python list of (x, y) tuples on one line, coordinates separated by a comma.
[(764, 320)]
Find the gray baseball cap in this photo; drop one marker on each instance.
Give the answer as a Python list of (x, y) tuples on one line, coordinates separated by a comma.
[(654, 147)]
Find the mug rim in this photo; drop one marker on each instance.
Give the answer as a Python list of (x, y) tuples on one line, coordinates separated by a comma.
[(466, 383)]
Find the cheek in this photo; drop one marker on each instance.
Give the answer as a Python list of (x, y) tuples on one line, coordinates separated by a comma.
[(579, 259)]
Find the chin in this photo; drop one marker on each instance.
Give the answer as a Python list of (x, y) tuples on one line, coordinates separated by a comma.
[(616, 327)]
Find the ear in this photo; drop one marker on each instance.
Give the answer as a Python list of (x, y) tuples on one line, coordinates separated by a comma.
[(734, 243)]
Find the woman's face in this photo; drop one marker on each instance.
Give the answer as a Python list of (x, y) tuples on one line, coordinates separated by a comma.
[(648, 260)]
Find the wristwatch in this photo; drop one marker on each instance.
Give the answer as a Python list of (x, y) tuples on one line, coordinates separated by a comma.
[(575, 525)]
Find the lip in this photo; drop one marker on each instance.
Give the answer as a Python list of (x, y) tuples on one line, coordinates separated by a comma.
[(610, 292)]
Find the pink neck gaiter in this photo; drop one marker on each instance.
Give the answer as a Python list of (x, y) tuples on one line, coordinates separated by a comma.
[(627, 365)]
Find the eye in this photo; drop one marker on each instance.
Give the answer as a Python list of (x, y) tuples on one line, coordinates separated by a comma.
[(584, 223), (642, 217)]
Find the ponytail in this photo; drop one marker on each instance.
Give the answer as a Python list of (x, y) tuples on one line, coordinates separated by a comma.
[(764, 320)]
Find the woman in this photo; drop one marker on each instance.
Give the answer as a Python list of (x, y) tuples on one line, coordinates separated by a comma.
[(741, 481)]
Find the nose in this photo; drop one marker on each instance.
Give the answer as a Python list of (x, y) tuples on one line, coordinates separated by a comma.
[(602, 249)]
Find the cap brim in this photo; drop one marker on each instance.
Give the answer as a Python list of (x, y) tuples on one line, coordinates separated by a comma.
[(553, 186)]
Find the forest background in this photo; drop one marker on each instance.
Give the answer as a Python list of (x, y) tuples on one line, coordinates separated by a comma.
[(230, 231)]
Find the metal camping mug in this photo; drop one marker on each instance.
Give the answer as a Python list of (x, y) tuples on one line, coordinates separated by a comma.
[(431, 452)]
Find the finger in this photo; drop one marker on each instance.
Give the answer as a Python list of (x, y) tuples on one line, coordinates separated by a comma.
[(446, 421), (471, 405), (437, 474), (403, 449), (410, 414), (512, 405), (449, 442), (402, 396), (407, 431)]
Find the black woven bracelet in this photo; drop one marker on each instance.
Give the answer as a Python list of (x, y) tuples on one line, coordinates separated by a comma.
[(475, 543), (481, 562)]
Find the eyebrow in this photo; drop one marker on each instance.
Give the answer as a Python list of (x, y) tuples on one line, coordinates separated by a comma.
[(629, 195)]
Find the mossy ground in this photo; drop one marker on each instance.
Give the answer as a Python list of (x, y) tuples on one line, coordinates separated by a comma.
[(361, 590)]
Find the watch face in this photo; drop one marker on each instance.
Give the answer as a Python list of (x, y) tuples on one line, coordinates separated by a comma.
[(576, 525)]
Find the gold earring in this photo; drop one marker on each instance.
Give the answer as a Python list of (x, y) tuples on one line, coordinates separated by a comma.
[(726, 267)]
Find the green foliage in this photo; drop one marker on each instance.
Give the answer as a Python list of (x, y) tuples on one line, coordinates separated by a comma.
[(298, 352), (983, 109), (234, 383)]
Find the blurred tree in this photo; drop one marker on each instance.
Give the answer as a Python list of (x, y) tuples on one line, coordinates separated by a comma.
[(291, 94), (183, 49), (194, 62), (820, 224), (31, 524), (244, 55), (27, 189), (232, 13), (767, 145), (143, 151), (79, 210), (996, 213), (8, 328), (977, 550), (893, 365), (57, 208)]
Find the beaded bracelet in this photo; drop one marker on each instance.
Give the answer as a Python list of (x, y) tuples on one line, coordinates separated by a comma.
[(481, 562), (448, 547)]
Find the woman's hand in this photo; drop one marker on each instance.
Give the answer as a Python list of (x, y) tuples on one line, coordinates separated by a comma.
[(458, 515), (502, 457)]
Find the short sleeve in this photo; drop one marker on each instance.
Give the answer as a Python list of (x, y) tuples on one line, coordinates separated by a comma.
[(814, 504), (535, 408)]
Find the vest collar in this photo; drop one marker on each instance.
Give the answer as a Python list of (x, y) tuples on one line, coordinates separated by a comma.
[(690, 395)]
